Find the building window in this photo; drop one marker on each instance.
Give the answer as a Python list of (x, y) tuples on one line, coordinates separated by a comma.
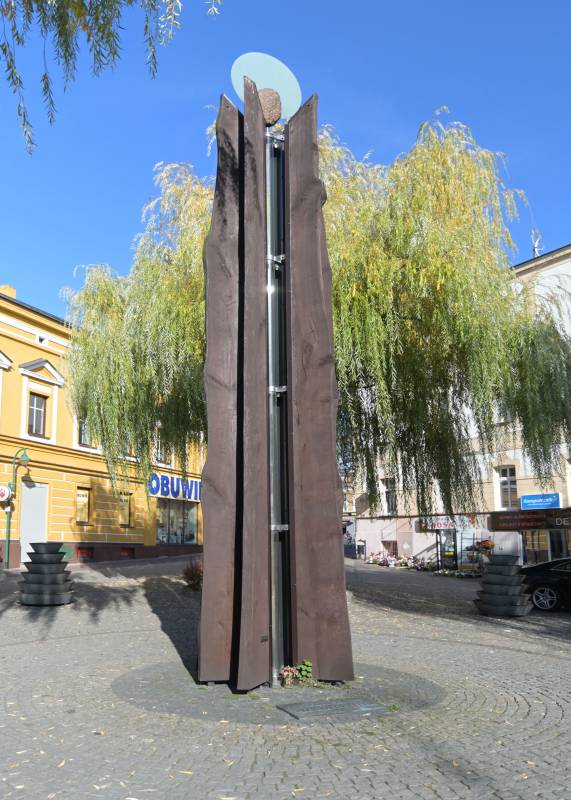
[(37, 415), (83, 435), (159, 454), (125, 510), (390, 496), (82, 505), (176, 521), (508, 488), (536, 546)]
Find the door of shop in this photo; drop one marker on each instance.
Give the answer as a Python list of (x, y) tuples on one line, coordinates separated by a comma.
[(34, 516), (559, 543), (446, 549)]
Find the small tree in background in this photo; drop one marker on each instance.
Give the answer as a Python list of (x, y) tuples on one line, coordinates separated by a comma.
[(433, 337)]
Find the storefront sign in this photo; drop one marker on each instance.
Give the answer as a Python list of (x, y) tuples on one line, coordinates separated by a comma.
[(529, 520), (560, 520), (174, 487), (551, 500), (5, 494), (438, 523)]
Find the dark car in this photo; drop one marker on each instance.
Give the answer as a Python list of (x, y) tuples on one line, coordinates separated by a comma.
[(549, 584)]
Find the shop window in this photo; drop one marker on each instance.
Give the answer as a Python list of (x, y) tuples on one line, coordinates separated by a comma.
[(85, 553), (83, 434), (125, 510), (176, 521), (508, 488), (82, 505), (536, 546), (37, 415), (390, 485), (160, 454)]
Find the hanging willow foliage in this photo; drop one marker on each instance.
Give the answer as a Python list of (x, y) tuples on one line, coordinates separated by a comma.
[(138, 342), (433, 337), (62, 24)]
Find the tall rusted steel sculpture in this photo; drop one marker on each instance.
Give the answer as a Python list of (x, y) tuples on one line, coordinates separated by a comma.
[(274, 584)]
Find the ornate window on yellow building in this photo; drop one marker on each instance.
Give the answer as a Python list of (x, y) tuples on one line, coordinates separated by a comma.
[(37, 414), (83, 434)]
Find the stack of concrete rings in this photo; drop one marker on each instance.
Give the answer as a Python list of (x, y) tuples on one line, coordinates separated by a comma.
[(503, 592), (47, 581)]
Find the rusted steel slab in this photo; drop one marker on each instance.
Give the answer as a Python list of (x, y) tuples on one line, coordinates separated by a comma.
[(321, 631), (222, 268), (254, 648)]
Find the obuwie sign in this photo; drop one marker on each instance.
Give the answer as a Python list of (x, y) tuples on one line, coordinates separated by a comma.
[(174, 487)]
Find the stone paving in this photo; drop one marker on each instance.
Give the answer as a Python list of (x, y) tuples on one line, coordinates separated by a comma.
[(98, 700)]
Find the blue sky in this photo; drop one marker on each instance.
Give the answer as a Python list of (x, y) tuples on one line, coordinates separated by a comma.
[(379, 68)]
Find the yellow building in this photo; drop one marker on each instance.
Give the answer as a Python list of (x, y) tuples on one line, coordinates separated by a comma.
[(62, 491)]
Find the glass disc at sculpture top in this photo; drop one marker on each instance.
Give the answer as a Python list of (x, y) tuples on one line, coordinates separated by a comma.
[(267, 72)]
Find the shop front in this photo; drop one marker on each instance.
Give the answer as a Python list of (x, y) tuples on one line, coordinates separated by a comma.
[(546, 534), (459, 540), (178, 499)]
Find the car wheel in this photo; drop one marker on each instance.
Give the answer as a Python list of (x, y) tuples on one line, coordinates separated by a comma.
[(546, 598)]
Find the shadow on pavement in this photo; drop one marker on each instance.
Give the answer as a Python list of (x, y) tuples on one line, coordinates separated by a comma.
[(117, 588), (88, 599), (425, 595), (178, 610)]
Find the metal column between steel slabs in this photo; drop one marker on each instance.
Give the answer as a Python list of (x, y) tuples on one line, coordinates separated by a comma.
[(320, 623)]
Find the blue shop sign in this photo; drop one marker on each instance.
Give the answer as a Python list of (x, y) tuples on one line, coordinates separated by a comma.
[(552, 500), (174, 487)]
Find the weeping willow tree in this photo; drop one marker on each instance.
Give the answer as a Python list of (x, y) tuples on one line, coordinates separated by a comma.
[(433, 337), (138, 342), (63, 24)]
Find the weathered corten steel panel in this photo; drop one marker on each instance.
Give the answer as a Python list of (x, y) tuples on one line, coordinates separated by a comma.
[(319, 607), (222, 265), (254, 650)]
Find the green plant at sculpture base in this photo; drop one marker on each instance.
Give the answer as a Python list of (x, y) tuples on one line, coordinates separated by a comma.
[(300, 675), (305, 670)]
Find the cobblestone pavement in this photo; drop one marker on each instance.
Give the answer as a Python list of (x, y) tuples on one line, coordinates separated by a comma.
[(98, 700)]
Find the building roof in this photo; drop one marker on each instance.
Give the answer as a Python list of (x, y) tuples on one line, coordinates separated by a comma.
[(544, 260), (28, 307)]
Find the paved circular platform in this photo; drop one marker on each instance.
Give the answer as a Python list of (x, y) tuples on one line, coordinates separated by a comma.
[(99, 701)]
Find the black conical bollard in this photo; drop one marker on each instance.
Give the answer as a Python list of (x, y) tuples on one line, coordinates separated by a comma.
[(48, 580)]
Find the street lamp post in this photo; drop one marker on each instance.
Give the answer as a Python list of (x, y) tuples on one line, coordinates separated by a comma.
[(20, 457)]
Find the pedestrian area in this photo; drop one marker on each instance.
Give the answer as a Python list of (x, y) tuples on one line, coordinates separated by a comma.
[(99, 700)]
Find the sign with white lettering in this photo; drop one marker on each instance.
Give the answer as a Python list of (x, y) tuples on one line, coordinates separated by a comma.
[(551, 500), (536, 519), (175, 487)]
